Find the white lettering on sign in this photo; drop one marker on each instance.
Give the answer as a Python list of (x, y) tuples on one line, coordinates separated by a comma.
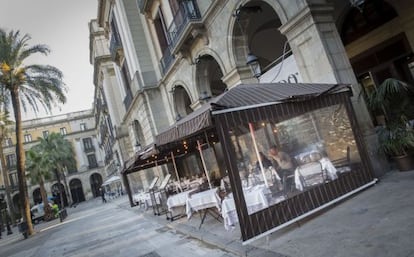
[(284, 72)]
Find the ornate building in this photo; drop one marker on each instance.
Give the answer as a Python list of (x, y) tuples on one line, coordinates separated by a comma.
[(81, 181), (157, 61)]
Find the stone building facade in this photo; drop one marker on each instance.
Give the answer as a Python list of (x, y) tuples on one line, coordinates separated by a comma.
[(81, 181), (157, 60)]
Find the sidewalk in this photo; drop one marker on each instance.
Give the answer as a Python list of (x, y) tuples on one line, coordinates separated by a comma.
[(376, 222)]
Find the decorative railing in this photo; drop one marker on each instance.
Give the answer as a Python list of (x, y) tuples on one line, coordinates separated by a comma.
[(166, 60), (188, 12)]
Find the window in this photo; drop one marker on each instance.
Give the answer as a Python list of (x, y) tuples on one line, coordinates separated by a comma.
[(87, 144), (27, 138), (161, 29), (83, 126), (63, 131), (8, 141), (11, 161), (92, 161), (14, 181), (45, 133)]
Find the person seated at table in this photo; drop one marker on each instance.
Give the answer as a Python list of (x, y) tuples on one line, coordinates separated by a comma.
[(265, 161), (284, 166)]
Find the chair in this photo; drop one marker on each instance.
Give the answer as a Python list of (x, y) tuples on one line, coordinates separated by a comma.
[(311, 174)]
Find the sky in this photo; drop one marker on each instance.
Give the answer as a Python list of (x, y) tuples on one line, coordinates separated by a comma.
[(63, 26)]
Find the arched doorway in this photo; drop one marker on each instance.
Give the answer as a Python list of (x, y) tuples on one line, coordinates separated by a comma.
[(385, 57), (76, 191), (139, 136), (256, 32), (182, 102), (37, 197), (208, 77), (96, 183), (58, 189)]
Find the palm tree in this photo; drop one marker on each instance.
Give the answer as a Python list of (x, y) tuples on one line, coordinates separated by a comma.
[(24, 85), (38, 164), (60, 152)]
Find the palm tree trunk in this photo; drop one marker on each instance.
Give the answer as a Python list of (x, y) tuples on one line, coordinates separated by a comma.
[(48, 211), (6, 181), (21, 174)]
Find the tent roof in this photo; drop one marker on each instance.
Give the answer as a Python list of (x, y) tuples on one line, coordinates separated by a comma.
[(243, 96), (111, 180)]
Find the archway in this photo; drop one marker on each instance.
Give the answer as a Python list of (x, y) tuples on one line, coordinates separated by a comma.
[(208, 77), (57, 190), (76, 191), (256, 32), (182, 102), (96, 183), (385, 57), (37, 197), (139, 136)]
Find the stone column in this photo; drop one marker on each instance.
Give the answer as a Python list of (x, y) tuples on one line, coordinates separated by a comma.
[(321, 58)]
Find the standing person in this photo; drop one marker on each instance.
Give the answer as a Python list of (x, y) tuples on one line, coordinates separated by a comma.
[(102, 194), (285, 166)]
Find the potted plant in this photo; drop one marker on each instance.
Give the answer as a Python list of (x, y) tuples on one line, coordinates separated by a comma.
[(396, 136)]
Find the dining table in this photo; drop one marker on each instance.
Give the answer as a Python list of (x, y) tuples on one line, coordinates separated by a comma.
[(326, 165), (256, 198), (204, 202)]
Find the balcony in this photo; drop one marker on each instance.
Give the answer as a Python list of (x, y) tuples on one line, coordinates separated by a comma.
[(116, 49), (166, 60), (186, 26)]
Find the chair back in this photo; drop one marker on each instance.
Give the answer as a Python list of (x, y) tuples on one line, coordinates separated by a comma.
[(311, 174)]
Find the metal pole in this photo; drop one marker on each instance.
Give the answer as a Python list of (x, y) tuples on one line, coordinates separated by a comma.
[(175, 168), (257, 153), (204, 163)]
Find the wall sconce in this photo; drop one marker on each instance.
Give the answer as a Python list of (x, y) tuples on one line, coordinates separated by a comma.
[(253, 62)]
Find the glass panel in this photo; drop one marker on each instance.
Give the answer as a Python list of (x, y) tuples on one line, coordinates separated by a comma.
[(279, 160)]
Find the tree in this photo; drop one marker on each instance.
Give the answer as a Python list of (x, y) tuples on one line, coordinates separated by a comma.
[(60, 152), (38, 164), (30, 84)]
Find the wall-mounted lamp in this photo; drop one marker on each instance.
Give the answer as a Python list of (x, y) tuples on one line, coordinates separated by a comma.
[(253, 62)]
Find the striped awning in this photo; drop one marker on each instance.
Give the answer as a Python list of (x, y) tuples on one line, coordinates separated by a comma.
[(243, 96)]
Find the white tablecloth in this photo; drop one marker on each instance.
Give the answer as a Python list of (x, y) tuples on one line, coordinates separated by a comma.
[(255, 200), (202, 200), (326, 165), (178, 199)]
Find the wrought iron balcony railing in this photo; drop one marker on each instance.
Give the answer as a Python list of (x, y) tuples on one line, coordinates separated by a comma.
[(187, 13), (166, 60)]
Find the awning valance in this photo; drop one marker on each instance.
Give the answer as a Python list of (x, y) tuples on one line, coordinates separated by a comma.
[(242, 96)]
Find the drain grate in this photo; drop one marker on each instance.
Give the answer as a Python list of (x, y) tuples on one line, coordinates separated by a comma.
[(151, 254)]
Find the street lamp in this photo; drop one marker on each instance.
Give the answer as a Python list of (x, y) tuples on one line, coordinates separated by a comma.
[(254, 64)]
